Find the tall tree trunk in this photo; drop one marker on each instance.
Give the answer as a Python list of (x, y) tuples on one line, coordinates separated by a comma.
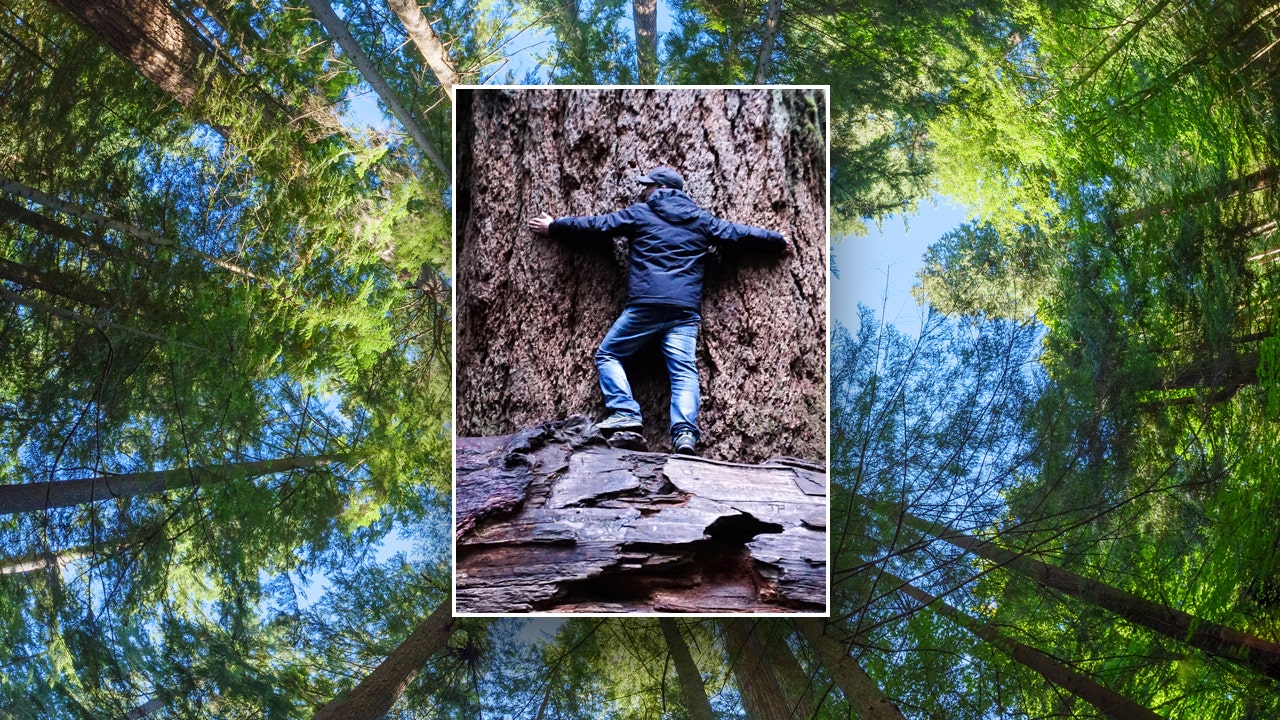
[(145, 34), (41, 561), (532, 311), (428, 43), (644, 14), (53, 228), (78, 211), (1218, 640), (1264, 179), (375, 694), (768, 37), (339, 32), (763, 697), (1108, 702), (860, 691), (56, 282), (29, 497), (691, 686)]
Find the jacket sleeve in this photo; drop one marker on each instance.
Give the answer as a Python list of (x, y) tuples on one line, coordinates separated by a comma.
[(723, 232), (593, 227)]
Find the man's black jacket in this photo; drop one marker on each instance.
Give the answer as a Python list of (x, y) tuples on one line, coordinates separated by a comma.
[(669, 236)]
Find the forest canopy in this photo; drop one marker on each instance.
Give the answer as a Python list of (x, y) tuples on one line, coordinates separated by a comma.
[(225, 340)]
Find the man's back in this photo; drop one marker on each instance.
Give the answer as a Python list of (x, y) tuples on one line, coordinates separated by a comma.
[(670, 236)]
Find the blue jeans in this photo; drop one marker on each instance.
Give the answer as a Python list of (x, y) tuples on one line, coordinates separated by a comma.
[(678, 330)]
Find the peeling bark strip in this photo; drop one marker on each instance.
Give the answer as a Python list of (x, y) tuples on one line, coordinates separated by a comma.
[(555, 518), (532, 311)]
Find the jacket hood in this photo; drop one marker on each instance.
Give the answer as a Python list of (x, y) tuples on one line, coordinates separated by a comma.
[(673, 205)]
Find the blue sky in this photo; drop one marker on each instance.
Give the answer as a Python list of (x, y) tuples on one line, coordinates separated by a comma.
[(879, 269)]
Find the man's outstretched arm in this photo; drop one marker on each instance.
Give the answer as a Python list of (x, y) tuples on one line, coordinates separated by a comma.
[(730, 233), (585, 227)]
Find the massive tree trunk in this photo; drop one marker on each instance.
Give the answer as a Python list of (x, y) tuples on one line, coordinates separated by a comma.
[(1219, 640), (1107, 701), (865, 698), (147, 35), (644, 14), (692, 688), (28, 497), (532, 311), (375, 694)]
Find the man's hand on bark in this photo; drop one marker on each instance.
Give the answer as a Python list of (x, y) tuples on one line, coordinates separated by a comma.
[(541, 225)]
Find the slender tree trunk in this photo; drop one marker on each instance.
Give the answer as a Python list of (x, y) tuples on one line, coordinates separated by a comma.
[(860, 691), (53, 228), (762, 695), (769, 35), (339, 32), (144, 709), (691, 686), (56, 282), (145, 34), (644, 14), (375, 694), (1264, 179), (1106, 701), (29, 497), (1134, 29), (428, 43), (532, 311), (77, 211), (40, 561), (1218, 640)]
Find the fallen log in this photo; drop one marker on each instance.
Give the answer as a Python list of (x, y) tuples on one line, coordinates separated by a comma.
[(556, 518)]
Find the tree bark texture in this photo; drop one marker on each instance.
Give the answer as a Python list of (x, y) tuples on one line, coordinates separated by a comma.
[(644, 14), (1107, 701), (755, 672), (768, 37), (428, 43), (29, 497), (692, 688), (147, 35), (862, 693), (556, 518), (1260, 655), (374, 696), (533, 310)]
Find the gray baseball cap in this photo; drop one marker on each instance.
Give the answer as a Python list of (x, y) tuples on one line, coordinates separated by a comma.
[(663, 176)]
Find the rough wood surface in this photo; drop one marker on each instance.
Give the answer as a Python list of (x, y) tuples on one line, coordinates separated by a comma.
[(532, 311), (556, 518)]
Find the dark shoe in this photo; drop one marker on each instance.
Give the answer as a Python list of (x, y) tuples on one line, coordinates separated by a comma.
[(618, 421), (683, 443)]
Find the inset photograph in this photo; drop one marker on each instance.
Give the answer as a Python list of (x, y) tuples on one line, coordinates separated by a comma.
[(642, 327)]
